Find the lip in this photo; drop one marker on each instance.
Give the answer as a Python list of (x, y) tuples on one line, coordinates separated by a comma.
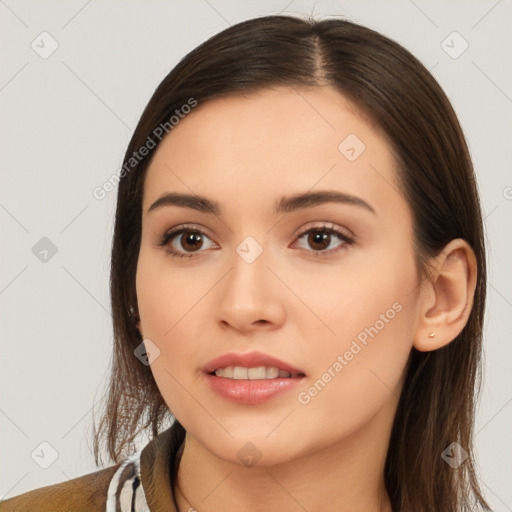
[(250, 360), (251, 392)]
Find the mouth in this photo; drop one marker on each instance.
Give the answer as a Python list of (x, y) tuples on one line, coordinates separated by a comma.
[(255, 373), (251, 378), (251, 366)]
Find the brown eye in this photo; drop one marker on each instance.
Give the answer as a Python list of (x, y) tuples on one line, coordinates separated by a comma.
[(318, 240), (183, 242), (190, 241)]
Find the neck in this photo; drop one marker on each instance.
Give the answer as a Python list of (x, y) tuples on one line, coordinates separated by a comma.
[(346, 476)]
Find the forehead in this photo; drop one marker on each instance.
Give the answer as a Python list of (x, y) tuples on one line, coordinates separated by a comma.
[(252, 149)]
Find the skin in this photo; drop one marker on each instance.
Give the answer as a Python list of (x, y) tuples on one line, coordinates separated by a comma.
[(246, 153)]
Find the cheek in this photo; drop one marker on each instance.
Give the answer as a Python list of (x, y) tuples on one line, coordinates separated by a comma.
[(166, 295), (367, 295), (372, 311), (170, 302), (355, 379)]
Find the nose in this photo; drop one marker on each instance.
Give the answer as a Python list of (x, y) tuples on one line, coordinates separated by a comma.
[(250, 297)]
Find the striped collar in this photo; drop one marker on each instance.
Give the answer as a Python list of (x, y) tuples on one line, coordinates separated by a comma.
[(125, 492), (144, 481)]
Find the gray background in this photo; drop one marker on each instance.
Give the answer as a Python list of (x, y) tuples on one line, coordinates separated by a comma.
[(66, 122)]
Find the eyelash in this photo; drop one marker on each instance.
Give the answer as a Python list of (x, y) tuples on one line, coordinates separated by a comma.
[(167, 237)]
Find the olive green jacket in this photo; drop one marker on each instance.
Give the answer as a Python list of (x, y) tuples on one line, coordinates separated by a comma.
[(141, 483)]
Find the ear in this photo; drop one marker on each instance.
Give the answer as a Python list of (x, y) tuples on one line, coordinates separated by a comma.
[(447, 296)]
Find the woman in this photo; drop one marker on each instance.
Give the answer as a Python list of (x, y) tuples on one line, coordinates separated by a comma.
[(298, 277)]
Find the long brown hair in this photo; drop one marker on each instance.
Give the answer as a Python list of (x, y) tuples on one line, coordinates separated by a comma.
[(395, 90)]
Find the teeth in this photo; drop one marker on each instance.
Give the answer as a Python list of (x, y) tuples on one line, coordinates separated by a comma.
[(256, 373), (239, 373), (272, 373)]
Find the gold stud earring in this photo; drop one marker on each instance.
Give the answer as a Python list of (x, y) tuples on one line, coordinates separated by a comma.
[(432, 335)]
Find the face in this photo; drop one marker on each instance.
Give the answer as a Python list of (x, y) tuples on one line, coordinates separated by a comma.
[(328, 288)]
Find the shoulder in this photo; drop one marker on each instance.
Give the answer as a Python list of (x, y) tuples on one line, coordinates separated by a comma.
[(87, 493)]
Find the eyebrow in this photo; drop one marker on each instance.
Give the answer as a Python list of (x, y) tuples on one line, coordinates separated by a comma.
[(284, 205)]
